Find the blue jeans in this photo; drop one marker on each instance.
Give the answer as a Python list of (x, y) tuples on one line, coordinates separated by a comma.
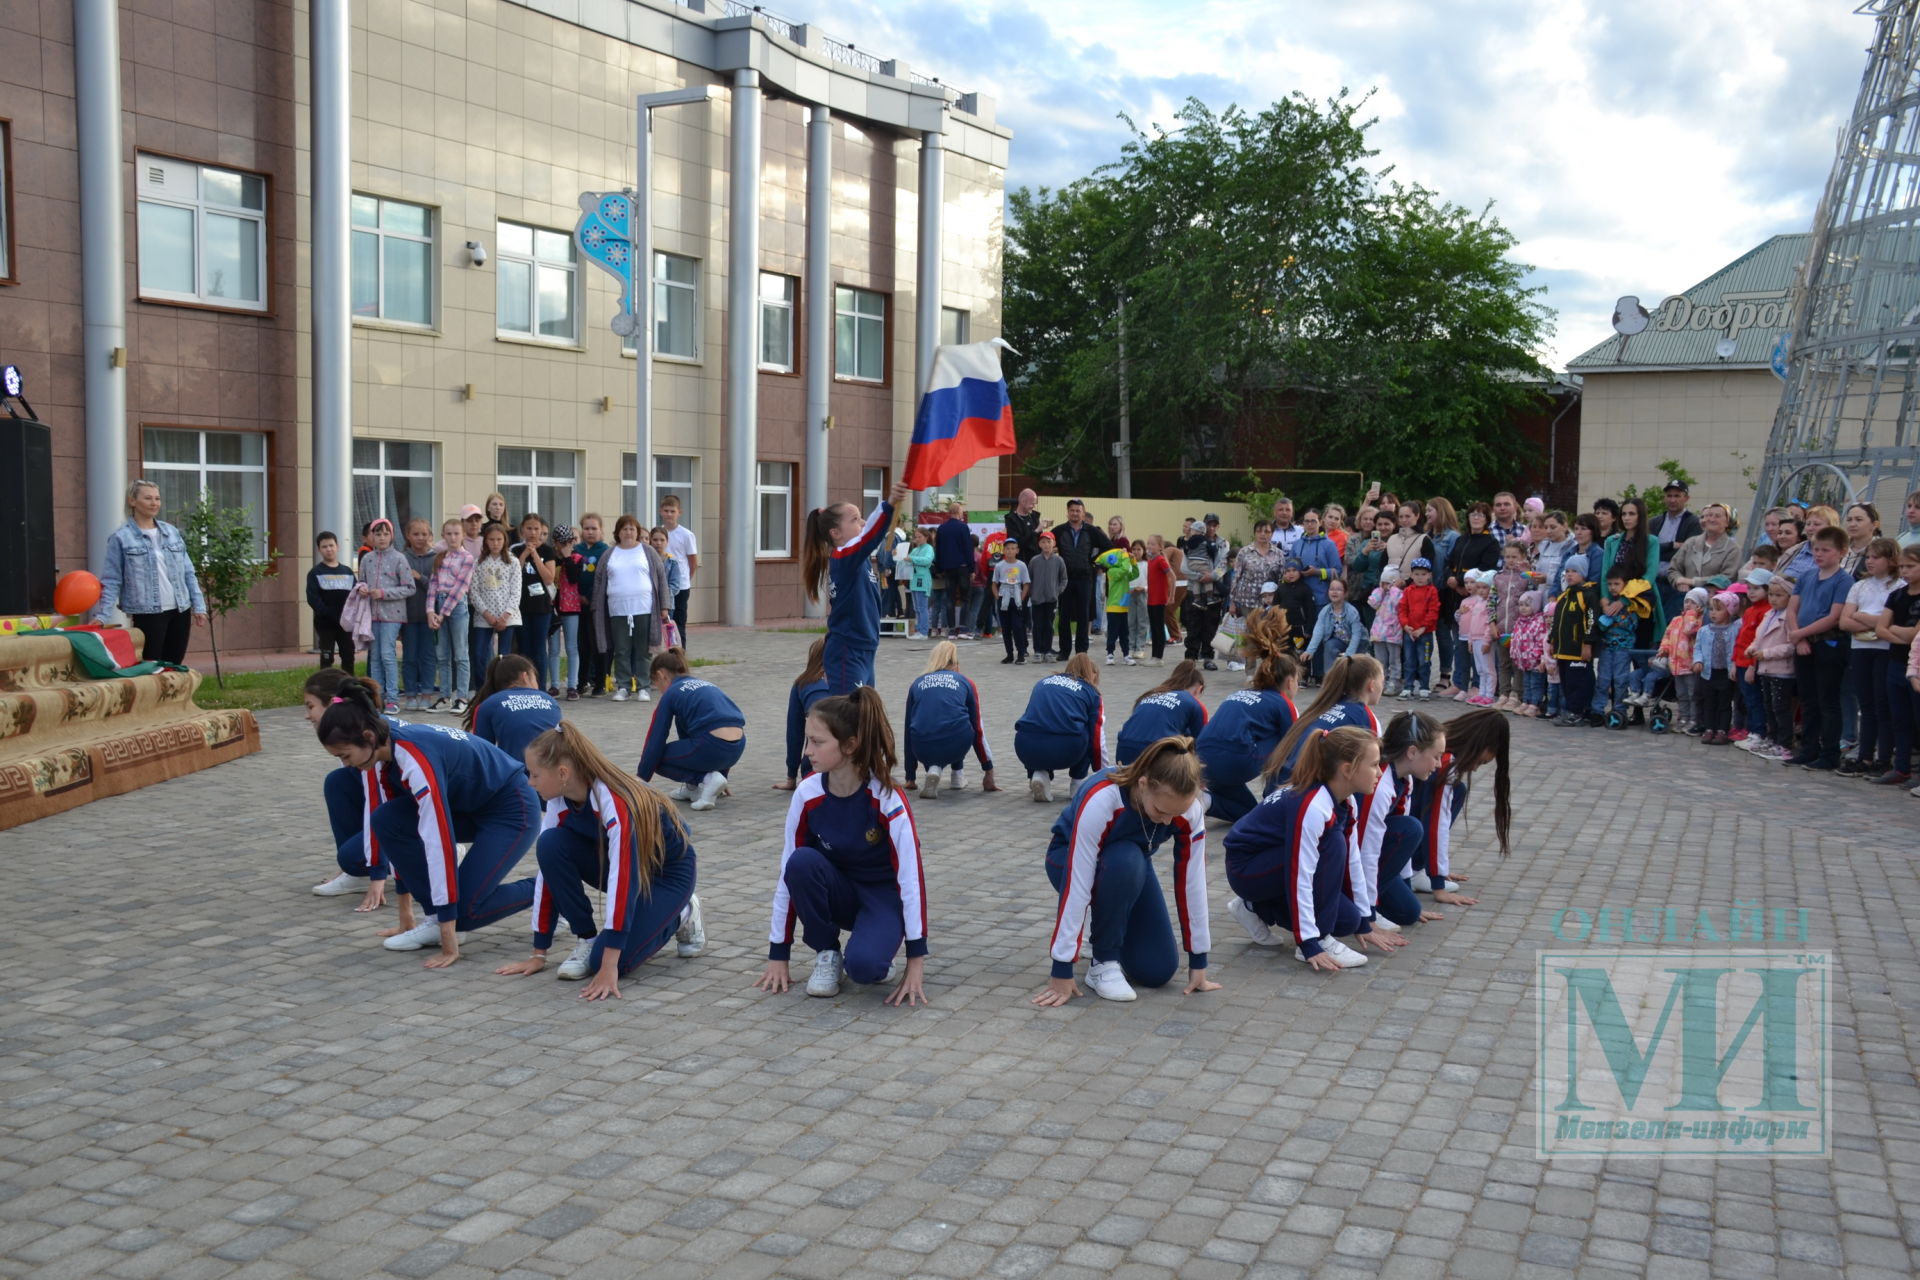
[(1611, 688), (482, 641), (1535, 693), (1414, 651), (532, 644), (382, 665), (1445, 636), (567, 638), (418, 642), (920, 611), (1903, 706), (1756, 703), (454, 676)]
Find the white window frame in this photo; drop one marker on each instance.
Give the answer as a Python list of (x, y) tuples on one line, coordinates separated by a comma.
[(779, 307), (261, 519), (662, 486), (383, 475), (662, 288), (870, 493), (537, 484), (7, 255), (766, 486), (959, 322), (846, 308), (537, 265), (380, 236), (163, 193)]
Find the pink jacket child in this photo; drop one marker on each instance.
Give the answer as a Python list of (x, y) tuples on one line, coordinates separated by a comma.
[(1475, 620), (1676, 646), (1529, 647), (1385, 600), (1771, 646)]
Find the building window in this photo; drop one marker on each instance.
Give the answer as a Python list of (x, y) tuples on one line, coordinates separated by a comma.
[(231, 466), (538, 291), (955, 327), (671, 475), (859, 335), (774, 491), (392, 260), (6, 202), (676, 306), (540, 480), (873, 487), (203, 234), (776, 322), (395, 479)]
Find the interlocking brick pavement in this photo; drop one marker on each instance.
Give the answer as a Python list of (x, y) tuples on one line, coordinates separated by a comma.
[(205, 1071)]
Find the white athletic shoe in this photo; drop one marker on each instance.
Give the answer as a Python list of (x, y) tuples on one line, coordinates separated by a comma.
[(339, 885), (930, 785), (1132, 661), (1346, 957), (691, 939), (1040, 789), (827, 968), (620, 695), (1385, 925), (1236, 665), (1108, 982), (574, 967), (1423, 883), (1338, 947), (1257, 929), (681, 792), (1109, 659), (709, 792), (646, 694), (424, 934), (957, 780)]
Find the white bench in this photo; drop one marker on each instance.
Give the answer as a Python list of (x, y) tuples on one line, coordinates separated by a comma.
[(898, 628)]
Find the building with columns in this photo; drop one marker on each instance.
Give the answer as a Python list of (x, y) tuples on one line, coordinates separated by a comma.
[(325, 268)]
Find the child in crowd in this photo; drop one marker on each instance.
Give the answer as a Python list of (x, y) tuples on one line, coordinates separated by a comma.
[(1419, 615), (1746, 682), (1100, 861), (1550, 551), (1617, 625), (850, 860), (448, 617), (1570, 641), (1474, 618), (1713, 667), (329, 583), (1159, 595), (417, 641), (591, 680), (1772, 654), (943, 723), (1137, 598), (1385, 631), (494, 596), (539, 566), (565, 638), (1867, 662), (1897, 626), (386, 579), (1293, 596), (1117, 563), (1674, 658), (1012, 584), (1512, 581), (1049, 570), (920, 580), (1338, 630), (1820, 649), (713, 733), (1063, 727), (1527, 651)]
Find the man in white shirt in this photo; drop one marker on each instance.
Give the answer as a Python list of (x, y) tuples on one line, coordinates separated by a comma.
[(1286, 534), (686, 548)]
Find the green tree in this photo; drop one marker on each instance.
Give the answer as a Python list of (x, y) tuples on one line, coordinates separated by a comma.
[(1270, 281), (226, 559)]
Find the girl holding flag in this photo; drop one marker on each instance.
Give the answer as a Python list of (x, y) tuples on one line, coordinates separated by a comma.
[(837, 548)]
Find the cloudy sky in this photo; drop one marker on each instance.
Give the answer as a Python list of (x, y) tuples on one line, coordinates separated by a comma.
[(1632, 147)]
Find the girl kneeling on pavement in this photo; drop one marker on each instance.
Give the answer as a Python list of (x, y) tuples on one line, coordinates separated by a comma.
[(1063, 727), (850, 860), (1410, 750), (602, 829), (713, 733), (1101, 861), (1474, 740)]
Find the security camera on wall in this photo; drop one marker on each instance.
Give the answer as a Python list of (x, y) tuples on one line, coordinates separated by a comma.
[(477, 253), (1724, 348)]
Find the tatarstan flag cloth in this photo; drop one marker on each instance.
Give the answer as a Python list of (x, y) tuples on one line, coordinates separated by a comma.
[(965, 415), (103, 652)]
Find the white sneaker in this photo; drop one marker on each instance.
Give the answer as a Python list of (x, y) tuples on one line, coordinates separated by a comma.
[(1423, 883), (681, 792), (691, 939), (957, 780), (1257, 929), (1345, 957), (424, 934), (1040, 789), (827, 968), (619, 695), (646, 694), (1385, 925), (930, 785), (1109, 659), (1132, 661), (339, 885), (709, 792), (574, 967), (1109, 983), (1236, 665)]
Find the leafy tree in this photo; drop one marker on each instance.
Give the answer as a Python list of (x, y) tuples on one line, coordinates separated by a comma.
[(226, 559), (1274, 290), (1672, 470)]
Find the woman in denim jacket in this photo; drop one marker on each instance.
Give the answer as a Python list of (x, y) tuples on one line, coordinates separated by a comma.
[(149, 575)]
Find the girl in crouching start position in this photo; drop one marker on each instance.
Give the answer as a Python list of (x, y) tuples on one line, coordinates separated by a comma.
[(1390, 835), (851, 859), (713, 733), (350, 794), (603, 829), (1101, 862), (1290, 860), (1474, 740)]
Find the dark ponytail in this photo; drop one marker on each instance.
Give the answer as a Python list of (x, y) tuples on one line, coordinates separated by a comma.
[(353, 719), (326, 683), (816, 546), (1408, 732), (503, 672), (861, 717), (1484, 733), (1185, 675), (671, 661)]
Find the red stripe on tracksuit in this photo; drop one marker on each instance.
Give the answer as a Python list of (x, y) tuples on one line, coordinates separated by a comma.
[(436, 828)]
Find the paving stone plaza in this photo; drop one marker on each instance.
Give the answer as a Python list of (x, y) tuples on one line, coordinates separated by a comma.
[(205, 1071)]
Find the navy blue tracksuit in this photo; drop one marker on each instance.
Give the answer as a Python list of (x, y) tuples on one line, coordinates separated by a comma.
[(1341, 715), (800, 700), (1244, 730), (943, 724), (850, 863), (696, 708), (853, 606), (1292, 858), (512, 718), (1160, 715), (1063, 727), (594, 844)]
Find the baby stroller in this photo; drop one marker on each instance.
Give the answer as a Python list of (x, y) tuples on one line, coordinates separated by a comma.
[(1663, 709)]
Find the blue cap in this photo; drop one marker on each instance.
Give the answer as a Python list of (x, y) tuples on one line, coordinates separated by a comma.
[(1421, 562)]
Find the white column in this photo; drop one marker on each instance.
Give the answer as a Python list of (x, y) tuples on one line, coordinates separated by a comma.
[(740, 512), (926, 335), (819, 311), (330, 192), (103, 266)]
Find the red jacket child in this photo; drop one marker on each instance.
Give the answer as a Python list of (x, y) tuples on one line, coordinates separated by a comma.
[(1159, 581), (1419, 607)]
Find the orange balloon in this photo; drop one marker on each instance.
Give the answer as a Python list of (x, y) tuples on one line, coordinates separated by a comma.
[(76, 592)]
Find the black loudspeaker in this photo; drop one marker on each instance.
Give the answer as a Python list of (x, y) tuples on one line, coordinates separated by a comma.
[(26, 516)]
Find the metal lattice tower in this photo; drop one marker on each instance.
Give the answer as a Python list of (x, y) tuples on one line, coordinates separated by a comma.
[(1848, 427)]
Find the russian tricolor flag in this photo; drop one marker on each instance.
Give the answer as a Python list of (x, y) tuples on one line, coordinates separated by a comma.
[(965, 415)]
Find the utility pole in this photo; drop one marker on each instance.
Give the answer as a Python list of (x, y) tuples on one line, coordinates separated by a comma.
[(1123, 451)]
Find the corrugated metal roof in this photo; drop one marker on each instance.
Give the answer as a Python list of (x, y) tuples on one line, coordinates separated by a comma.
[(1746, 299)]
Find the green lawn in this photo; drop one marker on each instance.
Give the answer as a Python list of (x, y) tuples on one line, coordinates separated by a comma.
[(264, 690)]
